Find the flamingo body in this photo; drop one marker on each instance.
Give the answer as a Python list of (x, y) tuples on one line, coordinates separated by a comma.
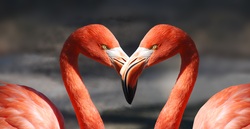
[(228, 109), (25, 108)]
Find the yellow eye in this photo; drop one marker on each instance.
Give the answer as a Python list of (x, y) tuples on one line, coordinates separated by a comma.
[(154, 47), (104, 47)]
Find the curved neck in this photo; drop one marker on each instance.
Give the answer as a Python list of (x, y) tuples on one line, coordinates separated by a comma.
[(171, 114), (87, 115)]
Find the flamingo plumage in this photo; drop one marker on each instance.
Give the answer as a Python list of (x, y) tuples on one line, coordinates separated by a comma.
[(25, 108), (230, 108)]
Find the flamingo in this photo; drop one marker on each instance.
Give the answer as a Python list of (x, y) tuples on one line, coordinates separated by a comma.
[(229, 109), (25, 108)]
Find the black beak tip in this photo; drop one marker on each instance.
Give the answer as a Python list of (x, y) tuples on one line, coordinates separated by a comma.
[(129, 92), (129, 100)]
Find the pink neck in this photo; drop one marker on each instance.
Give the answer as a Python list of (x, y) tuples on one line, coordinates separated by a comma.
[(87, 115), (171, 114)]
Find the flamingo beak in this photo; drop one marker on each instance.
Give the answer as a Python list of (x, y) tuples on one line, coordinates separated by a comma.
[(131, 71), (118, 57)]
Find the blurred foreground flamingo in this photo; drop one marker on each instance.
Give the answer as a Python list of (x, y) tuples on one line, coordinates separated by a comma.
[(25, 108), (228, 109)]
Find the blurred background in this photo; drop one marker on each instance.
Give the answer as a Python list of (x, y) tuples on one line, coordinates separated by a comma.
[(32, 34)]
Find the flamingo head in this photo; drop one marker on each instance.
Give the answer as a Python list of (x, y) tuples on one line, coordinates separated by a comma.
[(97, 42), (161, 42)]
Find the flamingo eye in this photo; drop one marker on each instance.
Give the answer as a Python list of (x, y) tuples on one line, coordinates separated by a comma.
[(154, 47), (104, 47)]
